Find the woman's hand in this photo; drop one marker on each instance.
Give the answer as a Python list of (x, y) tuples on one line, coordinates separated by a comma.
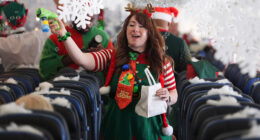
[(169, 96), (163, 93), (61, 31)]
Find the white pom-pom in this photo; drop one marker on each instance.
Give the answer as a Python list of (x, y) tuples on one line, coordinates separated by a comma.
[(104, 90), (167, 131)]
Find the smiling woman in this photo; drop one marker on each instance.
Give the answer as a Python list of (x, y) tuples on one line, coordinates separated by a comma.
[(140, 34), (136, 35), (143, 45)]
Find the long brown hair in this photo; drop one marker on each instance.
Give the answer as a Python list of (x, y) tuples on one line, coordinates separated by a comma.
[(155, 54)]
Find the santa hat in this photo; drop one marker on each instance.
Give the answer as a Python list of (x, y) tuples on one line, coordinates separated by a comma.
[(165, 13), (167, 129)]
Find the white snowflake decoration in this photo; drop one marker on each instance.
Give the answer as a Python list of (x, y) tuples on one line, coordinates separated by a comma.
[(79, 11)]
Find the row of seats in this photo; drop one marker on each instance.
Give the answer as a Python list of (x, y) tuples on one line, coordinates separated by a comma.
[(204, 107), (249, 85), (19, 82), (214, 109), (76, 117)]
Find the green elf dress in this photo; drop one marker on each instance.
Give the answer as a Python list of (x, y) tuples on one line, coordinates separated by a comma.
[(125, 124), (53, 50)]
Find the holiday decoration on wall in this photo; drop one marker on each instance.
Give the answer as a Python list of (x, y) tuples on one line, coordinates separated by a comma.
[(79, 11)]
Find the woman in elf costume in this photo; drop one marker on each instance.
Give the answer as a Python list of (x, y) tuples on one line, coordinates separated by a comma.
[(139, 46)]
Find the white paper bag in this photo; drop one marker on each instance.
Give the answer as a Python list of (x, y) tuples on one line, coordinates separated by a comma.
[(149, 104)]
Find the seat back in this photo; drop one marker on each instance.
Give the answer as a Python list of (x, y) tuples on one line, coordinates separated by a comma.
[(25, 79), (217, 125), (32, 72), (6, 96), (199, 101), (76, 120), (25, 134), (206, 111), (72, 119), (17, 89), (256, 93), (51, 121), (90, 101)]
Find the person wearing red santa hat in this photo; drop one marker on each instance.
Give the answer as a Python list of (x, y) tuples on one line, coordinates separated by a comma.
[(176, 47), (139, 46)]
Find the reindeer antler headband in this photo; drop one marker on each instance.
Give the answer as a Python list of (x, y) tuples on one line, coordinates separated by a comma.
[(148, 10)]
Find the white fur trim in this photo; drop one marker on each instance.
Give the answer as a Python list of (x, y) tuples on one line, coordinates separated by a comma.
[(23, 128), (104, 90), (167, 131), (163, 16), (61, 101), (60, 78), (11, 81), (12, 108)]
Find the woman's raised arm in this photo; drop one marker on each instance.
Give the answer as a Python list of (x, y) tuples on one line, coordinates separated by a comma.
[(85, 60)]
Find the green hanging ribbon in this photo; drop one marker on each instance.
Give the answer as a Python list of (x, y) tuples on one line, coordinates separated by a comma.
[(133, 55)]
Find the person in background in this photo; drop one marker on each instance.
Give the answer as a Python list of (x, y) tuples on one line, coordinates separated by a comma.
[(176, 47), (174, 28), (139, 46), (16, 42), (54, 55)]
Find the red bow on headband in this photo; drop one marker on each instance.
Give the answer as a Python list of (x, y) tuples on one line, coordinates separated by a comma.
[(145, 11)]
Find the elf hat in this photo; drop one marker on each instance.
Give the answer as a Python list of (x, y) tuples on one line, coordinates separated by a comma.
[(165, 13), (15, 13)]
